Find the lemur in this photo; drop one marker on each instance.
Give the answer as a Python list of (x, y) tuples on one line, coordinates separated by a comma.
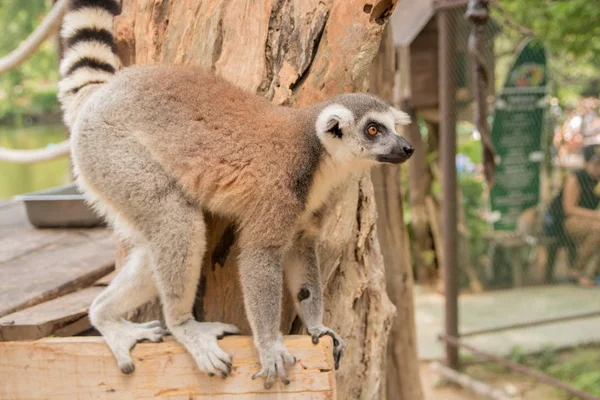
[(155, 146)]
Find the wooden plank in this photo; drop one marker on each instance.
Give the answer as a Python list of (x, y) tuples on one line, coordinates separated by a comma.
[(26, 241), (84, 368), (63, 267), (5, 203), (12, 218), (77, 327), (18, 237), (66, 315), (106, 279)]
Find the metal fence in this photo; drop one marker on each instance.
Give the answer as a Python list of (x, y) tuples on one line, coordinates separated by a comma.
[(518, 233), (527, 229)]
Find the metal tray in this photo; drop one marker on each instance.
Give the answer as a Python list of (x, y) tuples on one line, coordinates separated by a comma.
[(59, 207)]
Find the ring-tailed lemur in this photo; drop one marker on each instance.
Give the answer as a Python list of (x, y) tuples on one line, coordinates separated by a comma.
[(153, 146)]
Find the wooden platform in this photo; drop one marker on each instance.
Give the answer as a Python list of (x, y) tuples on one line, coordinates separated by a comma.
[(84, 368), (39, 265), (48, 279)]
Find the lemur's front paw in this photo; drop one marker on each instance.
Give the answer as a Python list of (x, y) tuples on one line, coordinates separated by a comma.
[(338, 344), (200, 339), (272, 358)]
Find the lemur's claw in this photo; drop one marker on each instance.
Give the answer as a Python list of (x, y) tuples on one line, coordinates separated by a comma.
[(270, 377), (273, 358), (337, 356), (338, 343), (333, 335)]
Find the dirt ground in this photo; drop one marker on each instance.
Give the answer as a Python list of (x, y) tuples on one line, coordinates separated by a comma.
[(513, 385), (434, 391)]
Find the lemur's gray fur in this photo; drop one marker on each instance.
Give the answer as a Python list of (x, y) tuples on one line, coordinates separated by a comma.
[(153, 146)]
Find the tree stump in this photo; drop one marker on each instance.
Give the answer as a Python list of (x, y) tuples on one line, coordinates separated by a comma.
[(293, 52)]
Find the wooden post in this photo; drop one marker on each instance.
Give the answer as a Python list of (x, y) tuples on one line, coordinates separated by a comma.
[(447, 39), (419, 178), (478, 13), (402, 377)]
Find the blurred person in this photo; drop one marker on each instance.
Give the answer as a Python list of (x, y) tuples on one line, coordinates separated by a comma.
[(590, 119), (570, 138), (575, 212)]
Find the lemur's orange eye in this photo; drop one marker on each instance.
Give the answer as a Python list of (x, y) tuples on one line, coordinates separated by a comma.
[(372, 130)]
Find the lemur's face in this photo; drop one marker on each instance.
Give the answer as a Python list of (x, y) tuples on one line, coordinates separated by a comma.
[(363, 129)]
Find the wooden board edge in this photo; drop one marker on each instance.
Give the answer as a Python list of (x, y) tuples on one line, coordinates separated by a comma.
[(82, 367), (36, 322)]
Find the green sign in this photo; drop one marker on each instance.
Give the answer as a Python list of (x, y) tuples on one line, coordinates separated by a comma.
[(517, 136)]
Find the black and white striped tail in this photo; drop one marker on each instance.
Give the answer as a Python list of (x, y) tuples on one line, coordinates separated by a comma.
[(90, 56)]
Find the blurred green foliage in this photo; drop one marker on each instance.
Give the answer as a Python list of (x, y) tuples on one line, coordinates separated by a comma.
[(570, 29), (577, 367), (580, 369), (471, 188), (31, 87)]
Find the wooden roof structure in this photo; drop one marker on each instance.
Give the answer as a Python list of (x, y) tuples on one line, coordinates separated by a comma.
[(415, 28)]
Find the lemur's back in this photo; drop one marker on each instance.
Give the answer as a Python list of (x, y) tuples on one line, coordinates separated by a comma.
[(217, 140)]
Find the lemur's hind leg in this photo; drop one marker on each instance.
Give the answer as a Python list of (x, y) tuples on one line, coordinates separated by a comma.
[(303, 279), (132, 287), (158, 215), (177, 236)]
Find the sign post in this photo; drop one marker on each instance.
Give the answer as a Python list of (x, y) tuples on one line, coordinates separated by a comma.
[(517, 136)]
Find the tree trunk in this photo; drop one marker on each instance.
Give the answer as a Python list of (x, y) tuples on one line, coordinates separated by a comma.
[(419, 180), (293, 52), (402, 372)]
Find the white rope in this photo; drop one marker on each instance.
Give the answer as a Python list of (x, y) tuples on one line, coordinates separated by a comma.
[(37, 155), (49, 25)]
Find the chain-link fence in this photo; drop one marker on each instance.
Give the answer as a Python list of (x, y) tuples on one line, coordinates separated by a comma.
[(536, 230), (527, 229)]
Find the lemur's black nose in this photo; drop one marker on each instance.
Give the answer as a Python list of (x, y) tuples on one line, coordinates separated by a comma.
[(408, 150)]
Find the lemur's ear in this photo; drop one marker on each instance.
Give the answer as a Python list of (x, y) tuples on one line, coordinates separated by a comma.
[(333, 127), (333, 119), (400, 117)]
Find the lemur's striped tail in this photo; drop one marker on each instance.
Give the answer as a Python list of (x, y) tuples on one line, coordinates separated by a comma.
[(90, 58)]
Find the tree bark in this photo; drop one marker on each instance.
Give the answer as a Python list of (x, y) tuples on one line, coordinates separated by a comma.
[(402, 372), (294, 52)]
